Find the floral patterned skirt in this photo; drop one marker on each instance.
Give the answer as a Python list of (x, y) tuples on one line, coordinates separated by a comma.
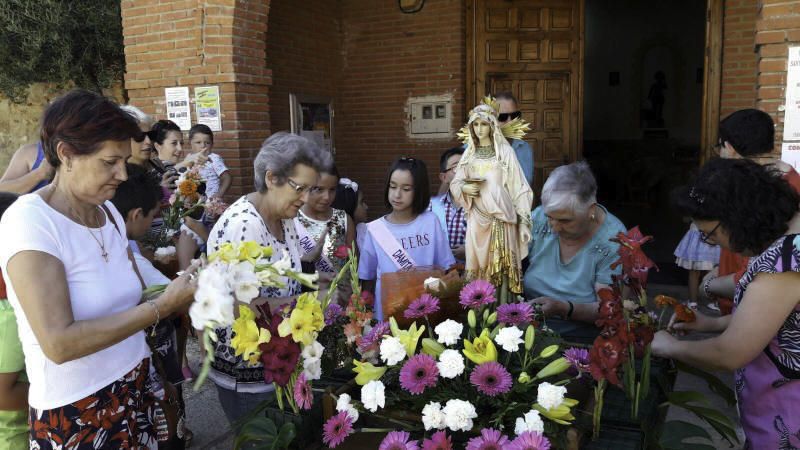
[(115, 417)]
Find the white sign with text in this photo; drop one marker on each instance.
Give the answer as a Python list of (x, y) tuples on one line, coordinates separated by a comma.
[(178, 108)]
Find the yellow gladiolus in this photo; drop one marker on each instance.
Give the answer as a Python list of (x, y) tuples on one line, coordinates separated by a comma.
[(250, 251), (305, 320), (561, 414), (227, 253), (481, 349), (367, 372), (248, 336)]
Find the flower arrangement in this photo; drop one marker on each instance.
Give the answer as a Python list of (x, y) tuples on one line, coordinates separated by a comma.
[(185, 201), (236, 273), (488, 377), (627, 330)]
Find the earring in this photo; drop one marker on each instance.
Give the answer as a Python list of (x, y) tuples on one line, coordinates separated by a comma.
[(593, 217), (69, 166)]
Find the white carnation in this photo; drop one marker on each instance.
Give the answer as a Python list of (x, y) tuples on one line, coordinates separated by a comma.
[(549, 396), (164, 254), (449, 332), (451, 364), (343, 404), (373, 396), (529, 422), (510, 338), (392, 350), (244, 281), (433, 417), (458, 415)]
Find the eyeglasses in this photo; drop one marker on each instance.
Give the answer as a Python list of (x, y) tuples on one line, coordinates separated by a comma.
[(706, 236), (503, 117), (299, 188)]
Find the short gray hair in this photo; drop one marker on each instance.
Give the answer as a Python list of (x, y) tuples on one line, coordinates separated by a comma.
[(571, 187), (282, 151), (140, 116)]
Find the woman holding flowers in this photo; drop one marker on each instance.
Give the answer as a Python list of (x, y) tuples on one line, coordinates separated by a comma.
[(286, 169), (571, 255), (749, 209), (70, 280)]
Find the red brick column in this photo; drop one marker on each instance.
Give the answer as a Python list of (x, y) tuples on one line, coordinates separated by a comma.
[(777, 29), (739, 57), (193, 43)]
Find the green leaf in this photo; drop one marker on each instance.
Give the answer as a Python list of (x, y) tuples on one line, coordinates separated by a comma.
[(285, 436), (681, 398), (720, 422), (716, 385), (675, 432), (261, 429)]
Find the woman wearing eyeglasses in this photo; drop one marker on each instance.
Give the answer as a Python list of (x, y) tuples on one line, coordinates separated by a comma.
[(745, 207), (286, 169)]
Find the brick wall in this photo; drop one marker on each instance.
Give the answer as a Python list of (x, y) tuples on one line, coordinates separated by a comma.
[(739, 58), (778, 27), (303, 48), (196, 43), (387, 57)]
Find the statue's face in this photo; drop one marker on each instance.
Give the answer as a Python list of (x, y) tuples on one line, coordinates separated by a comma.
[(482, 129)]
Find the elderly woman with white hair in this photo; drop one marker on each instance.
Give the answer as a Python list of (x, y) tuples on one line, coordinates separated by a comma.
[(286, 169), (570, 252)]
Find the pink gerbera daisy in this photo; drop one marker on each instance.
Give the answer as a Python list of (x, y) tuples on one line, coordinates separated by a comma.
[(515, 313), (336, 429), (421, 307), (490, 439), (491, 379), (418, 373), (439, 441), (302, 392), (578, 358), (530, 440), (476, 294), (398, 440)]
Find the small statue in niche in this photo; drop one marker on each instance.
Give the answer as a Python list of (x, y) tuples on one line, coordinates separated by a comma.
[(490, 185), (657, 98)]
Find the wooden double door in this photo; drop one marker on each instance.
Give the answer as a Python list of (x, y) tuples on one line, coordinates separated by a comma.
[(533, 49)]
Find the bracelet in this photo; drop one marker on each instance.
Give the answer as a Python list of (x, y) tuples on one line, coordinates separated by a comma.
[(158, 316), (707, 288), (571, 309)]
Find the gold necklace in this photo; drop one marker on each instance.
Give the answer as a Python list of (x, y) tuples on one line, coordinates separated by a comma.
[(101, 242), (484, 151)]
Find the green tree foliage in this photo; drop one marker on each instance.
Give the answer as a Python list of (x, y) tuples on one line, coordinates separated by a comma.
[(59, 41)]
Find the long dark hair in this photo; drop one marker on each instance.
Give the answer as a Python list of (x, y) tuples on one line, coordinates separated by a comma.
[(422, 189)]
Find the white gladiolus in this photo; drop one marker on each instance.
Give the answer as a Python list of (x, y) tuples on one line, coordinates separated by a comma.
[(245, 282)]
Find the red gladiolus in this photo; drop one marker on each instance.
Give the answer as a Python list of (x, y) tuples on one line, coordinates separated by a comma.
[(605, 357), (635, 263), (280, 356), (641, 336), (341, 251)]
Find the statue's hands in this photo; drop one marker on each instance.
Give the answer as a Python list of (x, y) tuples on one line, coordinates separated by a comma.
[(471, 190)]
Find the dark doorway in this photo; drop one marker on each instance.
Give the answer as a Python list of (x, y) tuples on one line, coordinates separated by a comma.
[(643, 94)]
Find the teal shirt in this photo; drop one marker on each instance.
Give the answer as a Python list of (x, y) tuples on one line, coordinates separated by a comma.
[(13, 424), (548, 276)]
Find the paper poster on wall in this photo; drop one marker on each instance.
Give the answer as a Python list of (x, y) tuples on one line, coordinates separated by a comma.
[(178, 108), (206, 103), (790, 154), (791, 118)]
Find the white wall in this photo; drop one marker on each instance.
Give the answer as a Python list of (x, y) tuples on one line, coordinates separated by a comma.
[(636, 38)]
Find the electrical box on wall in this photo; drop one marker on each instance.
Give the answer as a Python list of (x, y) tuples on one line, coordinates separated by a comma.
[(431, 116)]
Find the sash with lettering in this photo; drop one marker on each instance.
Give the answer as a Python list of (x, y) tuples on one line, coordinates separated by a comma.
[(307, 243), (388, 243)]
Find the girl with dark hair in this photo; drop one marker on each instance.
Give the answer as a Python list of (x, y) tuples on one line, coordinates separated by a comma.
[(407, 237), (751, 210), (65, 260), (322, 228)]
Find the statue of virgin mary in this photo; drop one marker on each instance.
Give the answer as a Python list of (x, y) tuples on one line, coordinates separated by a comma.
[(490, 184)]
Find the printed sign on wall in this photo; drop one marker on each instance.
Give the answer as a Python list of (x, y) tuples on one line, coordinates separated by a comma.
[(206, 103), (178, 108)]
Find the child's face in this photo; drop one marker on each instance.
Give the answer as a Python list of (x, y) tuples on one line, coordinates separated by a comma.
[(324, 193), (172, 148), (201, 143), (138, 222), (360, 213), (401, 190)]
